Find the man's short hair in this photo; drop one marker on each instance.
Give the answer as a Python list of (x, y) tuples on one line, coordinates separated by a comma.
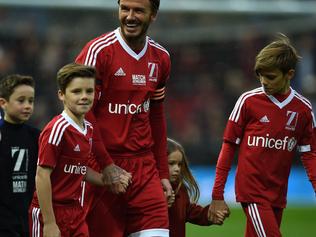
[(154, 5)]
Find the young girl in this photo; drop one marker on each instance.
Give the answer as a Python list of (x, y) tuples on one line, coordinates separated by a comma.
[(182, 206)]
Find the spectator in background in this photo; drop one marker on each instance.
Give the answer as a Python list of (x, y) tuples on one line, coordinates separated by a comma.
[(18, 154), (183, 205), (130, 127), (268, 124)]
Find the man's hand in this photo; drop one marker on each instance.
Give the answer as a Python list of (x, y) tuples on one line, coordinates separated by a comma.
[(167, 188), (218, 211), (116, 178)]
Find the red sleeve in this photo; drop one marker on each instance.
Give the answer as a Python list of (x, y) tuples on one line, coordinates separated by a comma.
[(159, 134), (195, 213), (48, 152), (223, 166), (101, 154), (198, 215), (309, 161)]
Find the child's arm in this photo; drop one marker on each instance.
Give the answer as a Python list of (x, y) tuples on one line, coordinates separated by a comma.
[(44, 193), (198, 215)]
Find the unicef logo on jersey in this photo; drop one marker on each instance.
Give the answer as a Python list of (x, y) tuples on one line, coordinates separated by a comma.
[(146, 105), (291, 144), (129, 108), (272, 143)]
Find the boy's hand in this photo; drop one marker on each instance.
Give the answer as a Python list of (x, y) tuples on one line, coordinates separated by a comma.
[(116, 178)]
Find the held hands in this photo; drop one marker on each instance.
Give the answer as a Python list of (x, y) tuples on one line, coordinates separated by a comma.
[(218, 212), (116, 178)]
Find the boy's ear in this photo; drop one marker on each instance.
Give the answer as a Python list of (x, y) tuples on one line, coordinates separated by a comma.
[(290, 74), (60, 95), (3, 102)]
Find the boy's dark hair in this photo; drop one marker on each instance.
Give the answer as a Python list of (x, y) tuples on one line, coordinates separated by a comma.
[(278, 54), (10, 82), (154, 5), (73, 70)]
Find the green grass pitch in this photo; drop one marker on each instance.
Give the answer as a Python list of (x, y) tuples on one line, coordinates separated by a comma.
[(296, 222)]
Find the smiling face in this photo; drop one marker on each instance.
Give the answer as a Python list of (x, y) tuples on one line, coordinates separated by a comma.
[(135, 17), (78, 97), (275, 81), (175, 160), (20, 105)]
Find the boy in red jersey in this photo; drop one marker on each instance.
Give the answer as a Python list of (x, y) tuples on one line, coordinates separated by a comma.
[(64, 154), (128, 114), (268, 124)]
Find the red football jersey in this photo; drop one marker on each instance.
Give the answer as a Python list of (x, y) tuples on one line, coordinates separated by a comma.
[(268, 132), (66, 148), (126, 84), (128, 115)]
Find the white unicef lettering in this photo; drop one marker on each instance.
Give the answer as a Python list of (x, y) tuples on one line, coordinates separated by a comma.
[(128, 108), (75, 169), (270, 142)]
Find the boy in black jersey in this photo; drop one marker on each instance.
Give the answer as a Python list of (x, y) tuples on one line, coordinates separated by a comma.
[(18, 154)]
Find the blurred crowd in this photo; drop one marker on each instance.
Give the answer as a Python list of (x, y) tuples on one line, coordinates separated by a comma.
[(206, 79)]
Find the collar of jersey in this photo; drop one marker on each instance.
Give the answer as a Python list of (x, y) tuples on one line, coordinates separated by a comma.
[(128, 49), (72, 123), (283, 103)]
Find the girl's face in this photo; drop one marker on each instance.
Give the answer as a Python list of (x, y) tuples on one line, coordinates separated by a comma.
[(175, 160)]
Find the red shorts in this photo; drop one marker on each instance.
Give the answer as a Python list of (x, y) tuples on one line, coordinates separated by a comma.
[(70, 220), (262, 220), (141, 211)]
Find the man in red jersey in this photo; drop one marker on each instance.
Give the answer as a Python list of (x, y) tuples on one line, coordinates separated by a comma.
[(128, 115), (268, 124)]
